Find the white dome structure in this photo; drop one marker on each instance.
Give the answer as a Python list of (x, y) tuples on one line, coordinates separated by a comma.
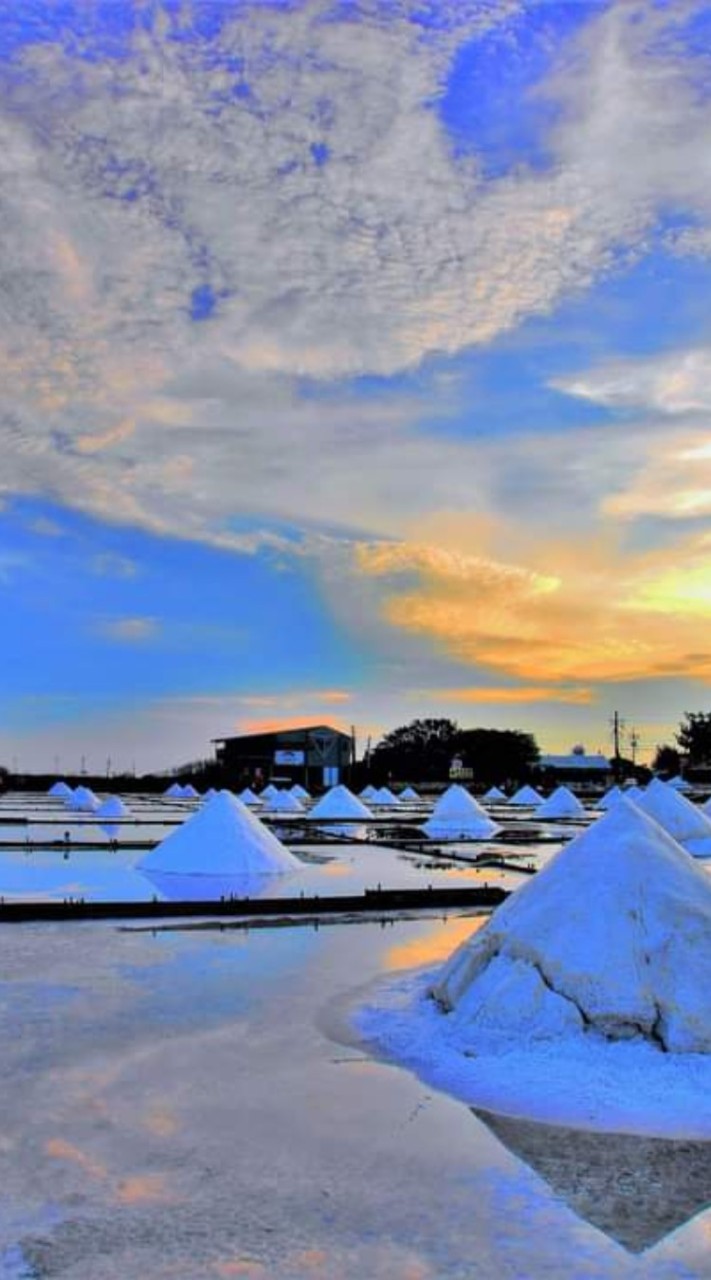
[(526, 796), (690, 826), (457, 816), (561, 803), (613, 936), (221, 839)]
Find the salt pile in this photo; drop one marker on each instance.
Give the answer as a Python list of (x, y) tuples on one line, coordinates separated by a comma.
[(680, 784), (526, 795), (369, 792), (210, 793), (384, 796), (83, 800), (409, 794), (268, 792), (340, 803), (300, 792), (583, 1000), (113, 807), (612, 936), (457, 816), (678, 816), (188, 792), (284, 802), (248, 797), (222, 838), (61, 790), (174, 791), (494, 795), (609, 799), (561, 803)]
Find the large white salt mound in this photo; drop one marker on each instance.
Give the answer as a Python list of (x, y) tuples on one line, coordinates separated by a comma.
[(222, 838), (284, 802), (561, 803), (60, 789), (526, 795), (609, 799), (612, 936), (678, 816), (458, 816), (494, 795), (113, 807), (340, 802), (409, 794)]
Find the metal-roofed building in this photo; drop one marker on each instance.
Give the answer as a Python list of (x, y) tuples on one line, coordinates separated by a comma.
[(316, 755), (577, 766)]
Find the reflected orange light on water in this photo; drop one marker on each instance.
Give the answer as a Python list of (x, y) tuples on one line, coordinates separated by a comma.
[(436, 944)]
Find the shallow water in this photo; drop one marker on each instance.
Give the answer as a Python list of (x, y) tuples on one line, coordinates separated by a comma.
[(179, 1105)]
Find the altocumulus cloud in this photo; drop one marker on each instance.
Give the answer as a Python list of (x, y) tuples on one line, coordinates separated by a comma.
[(194, 227)]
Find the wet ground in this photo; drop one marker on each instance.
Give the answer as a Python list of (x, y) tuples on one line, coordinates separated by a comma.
[(187, 1105), (192, 1104)]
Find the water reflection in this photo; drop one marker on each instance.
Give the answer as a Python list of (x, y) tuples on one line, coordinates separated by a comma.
[(634, 1189), (435, 943), (199, 888)]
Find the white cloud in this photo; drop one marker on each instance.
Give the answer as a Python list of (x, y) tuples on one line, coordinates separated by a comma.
[(676, 382), (391, 250)]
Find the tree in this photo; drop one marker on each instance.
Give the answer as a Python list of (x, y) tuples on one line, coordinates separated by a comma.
[(666, 760), (496, 755), (694, 737), (419, 752)]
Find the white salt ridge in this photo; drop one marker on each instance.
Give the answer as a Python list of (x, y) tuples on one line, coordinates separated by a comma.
[(609, 799), (113, 807), (222, 838), (526, 795), (340, 802), (561, 803), (690, 826), (60, 789), (458, 816), (494, 795), (613, 935)]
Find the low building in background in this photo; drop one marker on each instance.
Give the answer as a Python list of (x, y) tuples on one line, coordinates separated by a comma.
[(578, 769), (314, 756)]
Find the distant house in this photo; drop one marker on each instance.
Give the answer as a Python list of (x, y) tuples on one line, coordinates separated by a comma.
[(577, 767), (315, 755)]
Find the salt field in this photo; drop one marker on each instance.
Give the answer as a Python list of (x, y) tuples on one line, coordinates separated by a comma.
[(184, 1101)]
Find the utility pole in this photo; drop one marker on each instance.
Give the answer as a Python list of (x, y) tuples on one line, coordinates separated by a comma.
[(617, 724)]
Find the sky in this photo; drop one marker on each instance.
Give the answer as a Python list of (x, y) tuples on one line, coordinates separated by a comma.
[(356, 366)]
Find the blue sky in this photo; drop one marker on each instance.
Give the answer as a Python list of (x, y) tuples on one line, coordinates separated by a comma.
[(355, 366)]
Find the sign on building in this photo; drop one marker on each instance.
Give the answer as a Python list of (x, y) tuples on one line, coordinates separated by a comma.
[(289, 757)]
